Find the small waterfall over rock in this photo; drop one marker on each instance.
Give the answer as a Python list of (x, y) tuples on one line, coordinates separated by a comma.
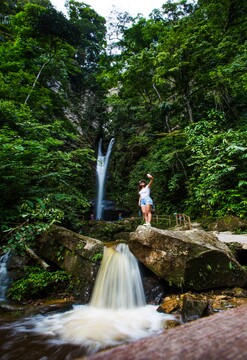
[(117, 312), (101, 172), (116, 315), (118, 284), (4, 279)]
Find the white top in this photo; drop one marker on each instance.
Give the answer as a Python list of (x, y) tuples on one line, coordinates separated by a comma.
[(144, 192)]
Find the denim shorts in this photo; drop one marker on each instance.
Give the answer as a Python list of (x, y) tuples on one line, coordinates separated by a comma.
[(146, 201)]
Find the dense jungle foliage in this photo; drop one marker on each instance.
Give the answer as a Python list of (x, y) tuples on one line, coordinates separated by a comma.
[(171, 89)]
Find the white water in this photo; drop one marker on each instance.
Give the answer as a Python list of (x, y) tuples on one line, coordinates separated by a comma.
[(96, 329), (4, 279), (117, 313), (118, 284), (101, 171)]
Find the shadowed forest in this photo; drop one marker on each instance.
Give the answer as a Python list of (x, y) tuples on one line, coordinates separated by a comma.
[(171, 89)]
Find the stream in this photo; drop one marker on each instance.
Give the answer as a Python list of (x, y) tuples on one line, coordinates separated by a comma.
[(117, 314)]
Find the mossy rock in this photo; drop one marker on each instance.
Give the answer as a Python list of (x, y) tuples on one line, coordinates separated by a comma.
[(228, 223)]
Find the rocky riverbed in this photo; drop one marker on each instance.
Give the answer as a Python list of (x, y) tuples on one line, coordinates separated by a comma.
[(189, 305)]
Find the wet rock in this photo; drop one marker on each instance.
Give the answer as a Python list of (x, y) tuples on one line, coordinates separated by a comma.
[(170, 324), (44, 309), (191, 259), (220, 303), (16, 264), (7, 308), (189, 306), (153, 289), (236, 292), (170, 304), (194, 307)]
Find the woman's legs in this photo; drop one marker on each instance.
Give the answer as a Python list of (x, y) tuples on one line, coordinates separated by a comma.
[(147, 214), (143, 207)]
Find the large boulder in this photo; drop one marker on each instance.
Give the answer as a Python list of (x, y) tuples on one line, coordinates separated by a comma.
[(191, 259), (75, 253), (228, 223)]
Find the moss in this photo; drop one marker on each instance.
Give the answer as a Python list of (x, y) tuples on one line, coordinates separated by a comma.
[(106, 231), (39, 283), (228, 223)]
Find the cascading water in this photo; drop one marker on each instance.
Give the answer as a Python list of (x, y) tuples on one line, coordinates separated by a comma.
[(4, 279), (101, 171), (118, 284), (117, 314)]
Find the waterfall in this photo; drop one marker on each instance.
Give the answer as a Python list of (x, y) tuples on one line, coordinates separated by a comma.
[(117, 313), (4, 279), (118, 284), (101, 171)]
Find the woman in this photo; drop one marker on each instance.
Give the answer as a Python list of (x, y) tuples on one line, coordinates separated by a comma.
[(145, 200)]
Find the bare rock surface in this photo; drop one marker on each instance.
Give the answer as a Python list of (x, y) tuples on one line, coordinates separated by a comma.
[(221, 336), (193, 259), (228, 236)]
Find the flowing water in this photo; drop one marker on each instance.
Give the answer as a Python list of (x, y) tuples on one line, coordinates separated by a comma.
[(4, 279), (101, 171), (118, 284), (117, 314)]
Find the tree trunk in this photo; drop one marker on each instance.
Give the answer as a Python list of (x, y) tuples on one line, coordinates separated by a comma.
[(34, 256), (35, 81)]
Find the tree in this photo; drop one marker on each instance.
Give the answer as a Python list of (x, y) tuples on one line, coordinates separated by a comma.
[(175, 70), (44, 153), (218, 183)]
